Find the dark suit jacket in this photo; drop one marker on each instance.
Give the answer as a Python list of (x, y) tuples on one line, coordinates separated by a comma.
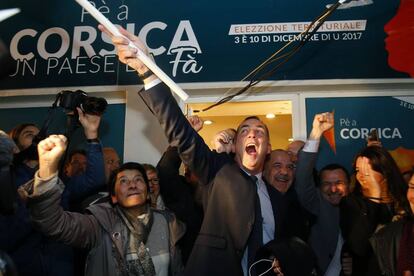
[(291, 219), (324, 232), (179, 197), (229, 210)]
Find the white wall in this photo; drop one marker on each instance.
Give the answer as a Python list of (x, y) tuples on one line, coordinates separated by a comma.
[(144, 139)]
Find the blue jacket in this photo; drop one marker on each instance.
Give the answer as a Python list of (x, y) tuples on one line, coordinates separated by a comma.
[(80, 186)]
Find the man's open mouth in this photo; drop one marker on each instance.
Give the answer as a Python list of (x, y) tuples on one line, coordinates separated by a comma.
[(251, 148)]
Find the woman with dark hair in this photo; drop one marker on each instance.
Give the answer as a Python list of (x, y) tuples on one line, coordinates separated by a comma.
[(25, 161), (379, 197), (23, 135), (125, 237)]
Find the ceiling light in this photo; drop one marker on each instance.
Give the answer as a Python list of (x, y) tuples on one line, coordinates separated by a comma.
[(270, 115), (208, 122)]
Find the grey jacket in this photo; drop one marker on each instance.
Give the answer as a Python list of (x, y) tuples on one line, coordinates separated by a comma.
[(99, 230), (324, 232)]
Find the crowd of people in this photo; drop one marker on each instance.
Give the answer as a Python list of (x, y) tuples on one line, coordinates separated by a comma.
[(240, 209)]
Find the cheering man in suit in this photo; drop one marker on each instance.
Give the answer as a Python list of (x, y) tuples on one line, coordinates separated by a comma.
[(238, 216)]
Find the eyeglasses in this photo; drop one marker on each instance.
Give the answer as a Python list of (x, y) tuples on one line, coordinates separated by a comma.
[(155, 181)]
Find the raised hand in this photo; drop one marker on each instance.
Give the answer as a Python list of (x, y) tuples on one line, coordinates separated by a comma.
[(224, 141), (374, 185), (50, 151), (223, 137), (126, 53), (90, 124), (321, 123), (196, 122), (276, 267)]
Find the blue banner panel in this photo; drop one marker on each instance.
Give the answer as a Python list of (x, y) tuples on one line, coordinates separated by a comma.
[(356, 117), (56, 43)]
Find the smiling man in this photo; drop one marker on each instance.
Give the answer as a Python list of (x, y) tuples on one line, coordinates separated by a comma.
[(292, 220), (334, 183), (238, 213), (279, 170), (325, 238)]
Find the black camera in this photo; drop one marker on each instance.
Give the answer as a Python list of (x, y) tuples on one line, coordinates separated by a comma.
[(70, 100)]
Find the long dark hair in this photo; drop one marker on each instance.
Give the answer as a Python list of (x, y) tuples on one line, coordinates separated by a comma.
[(17, 130), (382, 162)]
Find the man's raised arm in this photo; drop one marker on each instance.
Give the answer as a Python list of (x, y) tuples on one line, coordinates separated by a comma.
[(157, 96), (304, 181)]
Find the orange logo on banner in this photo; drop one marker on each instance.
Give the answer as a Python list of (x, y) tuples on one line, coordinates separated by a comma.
[(404, 158), (330, 136)]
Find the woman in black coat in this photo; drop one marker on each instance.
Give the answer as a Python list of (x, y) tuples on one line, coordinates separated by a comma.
[(379, 197)]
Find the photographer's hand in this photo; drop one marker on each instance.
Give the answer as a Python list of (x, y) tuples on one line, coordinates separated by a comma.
[(50, 151), (90, 124)]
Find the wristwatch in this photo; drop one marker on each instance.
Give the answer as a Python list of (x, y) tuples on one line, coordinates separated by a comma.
[(146, 75)]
